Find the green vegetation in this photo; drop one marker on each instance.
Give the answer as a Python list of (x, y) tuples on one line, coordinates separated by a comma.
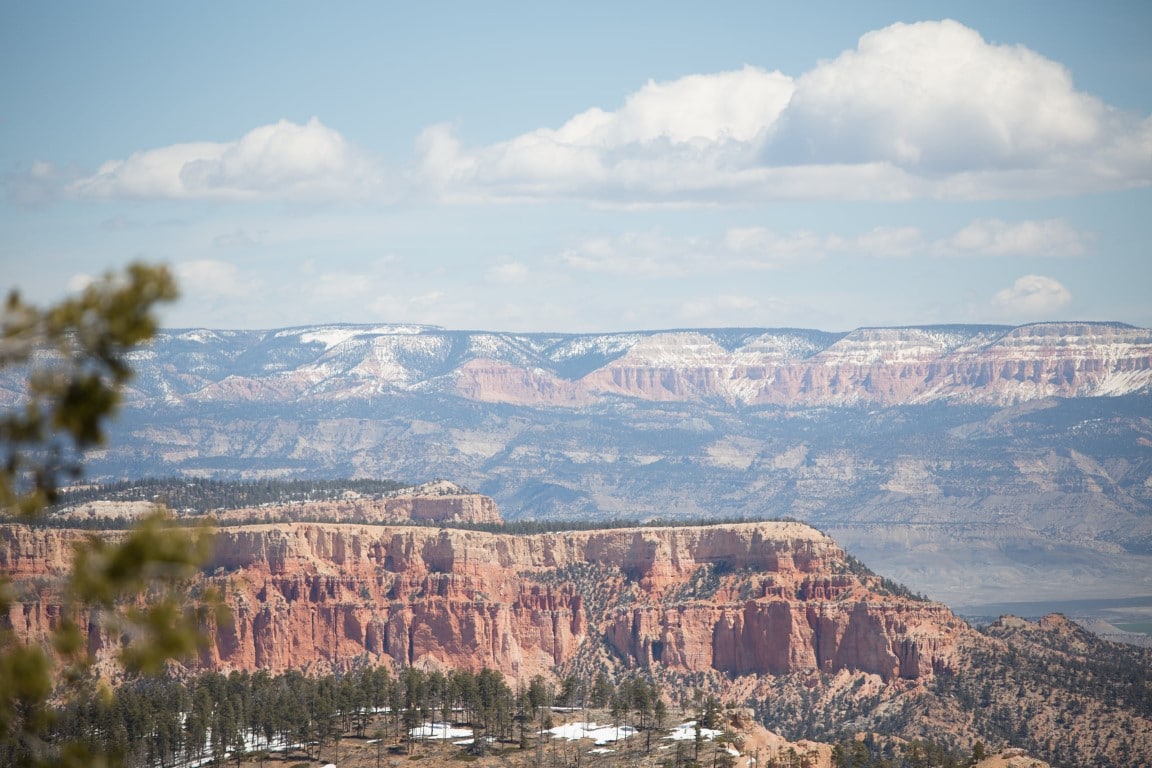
[(1059, 692), (74, 357), (216, 718), (201, 495), (197, 497), (529, 527), (871, 751)]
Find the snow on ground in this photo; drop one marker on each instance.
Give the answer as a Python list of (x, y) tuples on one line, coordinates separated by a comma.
[(601, 734), (687, 732), (439, 731)]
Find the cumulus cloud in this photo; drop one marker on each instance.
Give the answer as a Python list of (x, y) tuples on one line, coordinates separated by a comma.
[(914, 111), (666, 139), (1033, 297), (279, 161), (936, 96)]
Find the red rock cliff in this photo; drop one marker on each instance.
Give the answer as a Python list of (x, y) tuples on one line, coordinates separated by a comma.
[(765, 598)]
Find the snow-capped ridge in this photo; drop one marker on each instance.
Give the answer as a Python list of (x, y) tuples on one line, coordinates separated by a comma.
[(991, 364)]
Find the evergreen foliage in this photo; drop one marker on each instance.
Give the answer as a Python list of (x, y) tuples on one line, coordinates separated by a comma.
[(75, 359), (215, 718), (198, 495)]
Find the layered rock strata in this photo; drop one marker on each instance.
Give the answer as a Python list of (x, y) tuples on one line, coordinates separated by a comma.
[(437, 502), (763, 598), (992, 365)]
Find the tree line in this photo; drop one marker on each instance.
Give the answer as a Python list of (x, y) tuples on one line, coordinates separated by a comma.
[(214, 718), (198, 495)]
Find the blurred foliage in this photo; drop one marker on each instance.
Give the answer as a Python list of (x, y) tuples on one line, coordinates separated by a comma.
[(75, 359), (75, 355)]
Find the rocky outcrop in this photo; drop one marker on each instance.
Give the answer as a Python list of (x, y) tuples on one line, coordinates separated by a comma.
[(889, 366), (994, 365), (777, 637), (443, 508), (436, 502), (755, 598)]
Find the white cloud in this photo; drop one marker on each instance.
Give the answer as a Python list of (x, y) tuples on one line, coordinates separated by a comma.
[(993, 237), (642, 253), (279, 161), (1032, 297), (754, 248), (935, 96), (914, 111), (666, 140), (39, 185), (925, 110), (696, 110), (655, 254), (508, 272), (213, 279), (981, 237), (762, 248), (889, 242)]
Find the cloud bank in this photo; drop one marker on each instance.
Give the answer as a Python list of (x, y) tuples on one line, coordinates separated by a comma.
[(916, 111), (751, 249), (926, 110)]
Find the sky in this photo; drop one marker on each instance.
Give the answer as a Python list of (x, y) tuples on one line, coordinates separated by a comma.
[(585, 167)]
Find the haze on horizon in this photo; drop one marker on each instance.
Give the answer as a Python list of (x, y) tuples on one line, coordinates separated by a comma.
[(590, 168)]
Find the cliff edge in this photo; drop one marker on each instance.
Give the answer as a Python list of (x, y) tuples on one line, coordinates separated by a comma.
[(752, 598)]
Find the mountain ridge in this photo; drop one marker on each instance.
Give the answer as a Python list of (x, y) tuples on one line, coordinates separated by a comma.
[(742, 366), (971, 462)]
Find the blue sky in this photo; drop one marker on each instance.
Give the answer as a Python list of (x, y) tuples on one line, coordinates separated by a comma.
[(521, 167)]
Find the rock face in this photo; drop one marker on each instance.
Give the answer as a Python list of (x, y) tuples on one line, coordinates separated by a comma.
[(419, 508), (755, 598), (435, 502), (796, 368), (887, 366), (956, 459)]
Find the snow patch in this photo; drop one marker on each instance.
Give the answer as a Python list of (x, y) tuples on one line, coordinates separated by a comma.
[(687, 732), (439, 731), (600, 734)]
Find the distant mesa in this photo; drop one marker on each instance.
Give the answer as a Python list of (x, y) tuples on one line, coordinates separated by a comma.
[(438, 501), (987, 364)]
